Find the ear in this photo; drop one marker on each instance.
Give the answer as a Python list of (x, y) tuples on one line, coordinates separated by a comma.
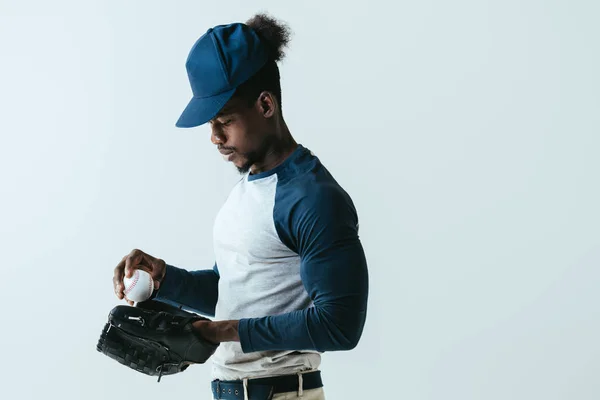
[(267, 104)]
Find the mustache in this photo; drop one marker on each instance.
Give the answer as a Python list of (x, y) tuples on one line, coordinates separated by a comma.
[(226, 148)]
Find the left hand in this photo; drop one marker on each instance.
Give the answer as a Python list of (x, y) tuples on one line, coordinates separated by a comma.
[(217, 331)]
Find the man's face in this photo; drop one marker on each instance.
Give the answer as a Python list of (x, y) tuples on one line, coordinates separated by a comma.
[(241, 133)]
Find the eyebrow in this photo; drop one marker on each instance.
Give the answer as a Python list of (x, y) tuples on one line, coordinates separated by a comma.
[(226, 110)]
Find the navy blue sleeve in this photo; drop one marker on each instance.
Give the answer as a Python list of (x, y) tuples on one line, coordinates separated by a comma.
[(195, 290), (322, 227)]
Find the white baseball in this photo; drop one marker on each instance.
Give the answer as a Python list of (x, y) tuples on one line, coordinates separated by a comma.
[(139, 287)]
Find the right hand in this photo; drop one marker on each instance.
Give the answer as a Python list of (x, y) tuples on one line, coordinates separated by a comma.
[(137, 259)]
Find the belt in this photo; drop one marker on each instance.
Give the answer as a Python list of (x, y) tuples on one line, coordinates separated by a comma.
[(264, 388)]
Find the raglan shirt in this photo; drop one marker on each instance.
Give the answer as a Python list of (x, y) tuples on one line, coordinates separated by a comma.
[(289, 266)]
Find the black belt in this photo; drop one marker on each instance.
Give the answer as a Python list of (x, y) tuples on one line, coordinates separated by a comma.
[(264, 388)]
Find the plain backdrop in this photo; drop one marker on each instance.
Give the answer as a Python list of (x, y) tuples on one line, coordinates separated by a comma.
[(466, 132)]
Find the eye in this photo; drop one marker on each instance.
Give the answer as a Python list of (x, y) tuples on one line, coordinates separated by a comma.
[(226, 122)]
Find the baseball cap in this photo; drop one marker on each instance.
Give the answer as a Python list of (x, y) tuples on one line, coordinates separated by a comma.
[(221, 60)]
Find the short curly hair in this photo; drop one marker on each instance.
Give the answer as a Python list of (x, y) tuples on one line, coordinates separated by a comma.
[(276, 36)]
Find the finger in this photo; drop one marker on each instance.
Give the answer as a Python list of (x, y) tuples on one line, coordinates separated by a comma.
[(128, 263), (158, 269), (138, 260), (156, 284), (118, 289), (146, 262), (118, 279), (131, 260)]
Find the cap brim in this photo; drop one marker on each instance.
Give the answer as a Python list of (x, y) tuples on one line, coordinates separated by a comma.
[(200, 110)]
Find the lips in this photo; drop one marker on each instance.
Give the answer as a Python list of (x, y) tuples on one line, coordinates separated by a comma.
[(225, 152)]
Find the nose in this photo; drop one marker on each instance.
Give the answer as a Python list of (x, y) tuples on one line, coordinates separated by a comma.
[(216, 136)]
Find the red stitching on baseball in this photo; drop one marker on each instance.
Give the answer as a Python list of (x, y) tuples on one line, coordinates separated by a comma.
[(136, 278)]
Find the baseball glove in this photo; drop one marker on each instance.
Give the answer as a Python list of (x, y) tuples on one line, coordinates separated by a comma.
[(154, 338)]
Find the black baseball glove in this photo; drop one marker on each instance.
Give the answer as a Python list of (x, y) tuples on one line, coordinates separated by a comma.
[(154, 338)]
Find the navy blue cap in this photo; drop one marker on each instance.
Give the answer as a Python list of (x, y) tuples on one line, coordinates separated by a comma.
[(222, 59)]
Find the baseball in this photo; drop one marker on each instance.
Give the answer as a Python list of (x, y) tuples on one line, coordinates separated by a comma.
[(139, 287)]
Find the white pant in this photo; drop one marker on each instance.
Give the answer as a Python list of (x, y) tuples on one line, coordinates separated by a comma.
[(309, 394)]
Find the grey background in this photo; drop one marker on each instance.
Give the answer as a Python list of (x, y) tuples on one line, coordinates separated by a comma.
[(465, 131)]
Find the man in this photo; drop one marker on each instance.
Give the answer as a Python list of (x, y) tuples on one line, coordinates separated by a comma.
[(290, 279)]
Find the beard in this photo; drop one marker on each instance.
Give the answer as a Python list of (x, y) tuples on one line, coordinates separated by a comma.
[(244, 168), (255, 156)]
